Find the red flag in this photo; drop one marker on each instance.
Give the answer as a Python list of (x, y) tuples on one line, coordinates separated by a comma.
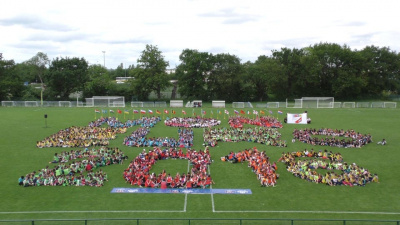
[(242, 112), (184, 112), (143, 111), (173, 112), (119, 111), (166, 111)]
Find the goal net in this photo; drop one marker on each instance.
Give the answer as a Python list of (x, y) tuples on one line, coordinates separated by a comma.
[(7, 103), (272, 104), (64, 104), (390, 105), (106, 101), (136, 104), (348, 105), (362, 105), (318, 102), (218, 104), (376, 104), (298, 103), (237, 104), (160, 104), (31, 104), (248, 105), (176, 103)]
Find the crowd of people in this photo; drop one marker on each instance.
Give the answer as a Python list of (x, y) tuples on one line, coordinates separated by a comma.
[(259, 162), (75, 168), (303, 164), (138, 171), (80, 137), (261, 135), (263, 121), (334, 137), (117, 124), (194, 122), (138, 139)]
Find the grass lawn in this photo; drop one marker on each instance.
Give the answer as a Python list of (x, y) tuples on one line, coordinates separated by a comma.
[(292, 198)]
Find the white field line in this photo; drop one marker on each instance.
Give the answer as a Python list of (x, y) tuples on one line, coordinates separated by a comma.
[(294, 211)]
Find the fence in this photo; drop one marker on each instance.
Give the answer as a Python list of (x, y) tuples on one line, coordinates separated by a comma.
[(164, 104), (147, 221)]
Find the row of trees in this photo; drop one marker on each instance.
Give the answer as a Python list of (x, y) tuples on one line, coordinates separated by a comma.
[(324, 69)]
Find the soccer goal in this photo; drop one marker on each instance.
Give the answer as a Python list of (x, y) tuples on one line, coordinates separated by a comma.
[(64, 104), (376, 104), (218, 104), (390, 105), (348, 105), (237, 104), (7, 103), (318, 102), (31, 104), (160, 104), (248, 105), (363, 105), (337, 105), (148, 104), (106, 101), (136, 104), (176, 103), (272, 104), (298, 103)]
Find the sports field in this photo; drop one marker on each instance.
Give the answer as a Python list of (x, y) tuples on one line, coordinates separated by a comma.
[(21, 128)]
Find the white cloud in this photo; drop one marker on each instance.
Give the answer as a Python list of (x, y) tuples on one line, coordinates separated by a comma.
[(247, 29)]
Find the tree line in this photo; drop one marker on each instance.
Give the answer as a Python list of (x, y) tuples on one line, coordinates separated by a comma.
[(323, 69)]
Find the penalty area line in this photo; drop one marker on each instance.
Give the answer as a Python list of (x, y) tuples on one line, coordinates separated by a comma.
[(317, 212), (95, 211)]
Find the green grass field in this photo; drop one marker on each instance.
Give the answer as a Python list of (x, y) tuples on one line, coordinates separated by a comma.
[(292, 198)]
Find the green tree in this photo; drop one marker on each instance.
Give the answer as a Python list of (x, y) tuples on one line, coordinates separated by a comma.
[(150, 74), (260, 76), (193, 72), (39, 64), (290, 62), (99, 82), (381, 68), (65, 76), (11, 85), (225, 81)]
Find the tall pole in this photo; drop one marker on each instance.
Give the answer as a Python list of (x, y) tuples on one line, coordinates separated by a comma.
[(104, 58)]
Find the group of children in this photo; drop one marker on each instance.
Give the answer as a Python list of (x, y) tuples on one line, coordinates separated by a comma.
[(138, 139), (261, 135), (72, 166), (259, 162), (194, 122), (349, 138), (263, 121), (138, 172), (305, 168)]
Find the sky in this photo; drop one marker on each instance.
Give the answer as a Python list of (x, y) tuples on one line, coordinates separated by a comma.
[(112, 32)]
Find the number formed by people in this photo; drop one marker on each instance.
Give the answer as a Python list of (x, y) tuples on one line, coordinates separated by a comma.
[(349, 138), (138, 172), (304, 164), (84, 167), (76, 168), (259, 163)]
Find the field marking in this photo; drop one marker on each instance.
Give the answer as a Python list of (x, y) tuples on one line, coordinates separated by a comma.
[(318, 212), (212, 195), (95, 211)]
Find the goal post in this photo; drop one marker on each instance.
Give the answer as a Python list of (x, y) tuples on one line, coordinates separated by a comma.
[(390, 105), (7, 103), (318, 102), (237, 104), (176, 103), (106, 101), (348, 104), (218, 104)]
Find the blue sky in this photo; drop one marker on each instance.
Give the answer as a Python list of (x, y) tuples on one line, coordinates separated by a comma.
[(247, 29)]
